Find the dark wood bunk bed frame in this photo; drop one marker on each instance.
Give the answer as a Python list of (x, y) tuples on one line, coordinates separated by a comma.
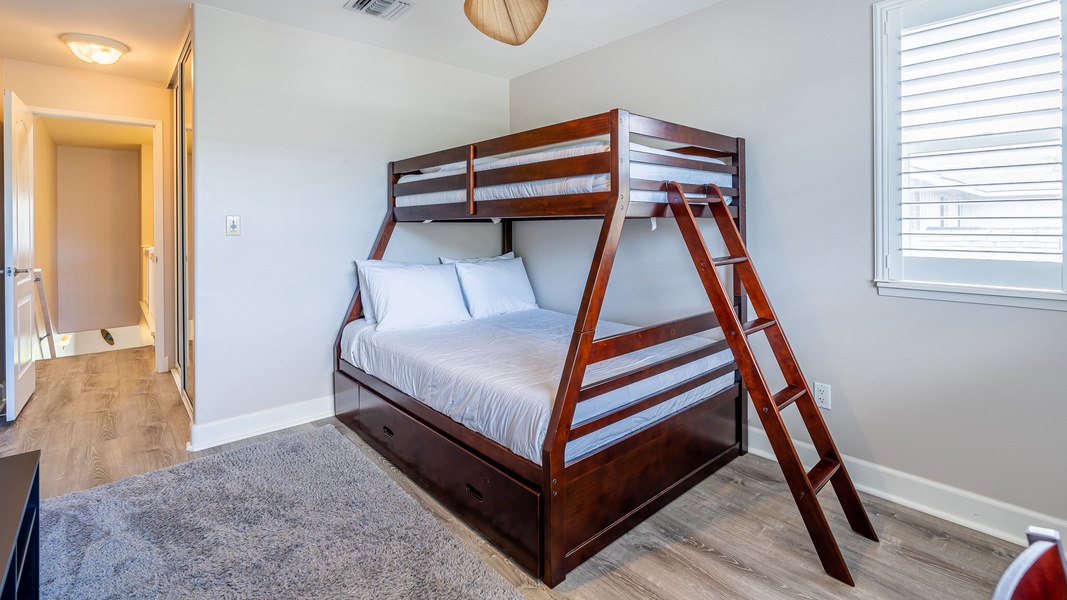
[(549, 518)]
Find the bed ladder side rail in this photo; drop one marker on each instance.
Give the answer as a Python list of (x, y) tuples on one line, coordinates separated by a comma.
[(355, 308), (830, 468), (553, 488)]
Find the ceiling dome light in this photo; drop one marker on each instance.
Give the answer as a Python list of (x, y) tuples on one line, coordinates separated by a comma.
[(508, 21), (93, 48)]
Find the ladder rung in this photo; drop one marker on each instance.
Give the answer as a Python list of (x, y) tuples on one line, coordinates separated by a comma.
[(788, 396), (728, 260), (822, 472), (756, 325)]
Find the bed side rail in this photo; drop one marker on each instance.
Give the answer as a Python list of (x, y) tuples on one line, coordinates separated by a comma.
[(558, 133), (574, 166), (682, 134), (653, 335), (649, 401), (640, 339), (621, 380)]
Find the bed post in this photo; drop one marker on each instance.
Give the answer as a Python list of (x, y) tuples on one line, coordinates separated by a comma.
[(559, 426), (355, 308), (506, 233), (740, 296)]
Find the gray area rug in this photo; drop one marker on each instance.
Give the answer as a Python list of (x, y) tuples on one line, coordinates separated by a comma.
[(304, 516)]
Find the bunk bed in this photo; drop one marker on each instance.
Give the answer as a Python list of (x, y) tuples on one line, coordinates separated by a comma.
[(547, 501)]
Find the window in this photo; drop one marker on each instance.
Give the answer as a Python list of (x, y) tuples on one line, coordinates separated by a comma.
[(968, 150)]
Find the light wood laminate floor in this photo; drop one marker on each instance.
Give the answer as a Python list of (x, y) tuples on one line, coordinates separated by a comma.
[(103, 417)]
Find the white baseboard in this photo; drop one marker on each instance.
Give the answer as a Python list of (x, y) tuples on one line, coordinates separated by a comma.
[(981, 513), (216, 433)]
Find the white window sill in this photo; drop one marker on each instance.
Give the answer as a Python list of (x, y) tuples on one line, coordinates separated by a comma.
[(974, 294)]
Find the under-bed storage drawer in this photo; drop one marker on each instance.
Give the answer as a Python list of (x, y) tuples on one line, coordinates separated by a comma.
[(503, 509)]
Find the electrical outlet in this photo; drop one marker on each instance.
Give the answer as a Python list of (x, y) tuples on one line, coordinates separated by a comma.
[(822, 395), (233, 224)]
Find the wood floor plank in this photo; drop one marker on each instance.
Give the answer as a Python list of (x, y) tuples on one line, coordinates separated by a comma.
[(737, 535)]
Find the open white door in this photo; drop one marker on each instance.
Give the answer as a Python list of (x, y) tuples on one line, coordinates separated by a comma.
[(18, 253)]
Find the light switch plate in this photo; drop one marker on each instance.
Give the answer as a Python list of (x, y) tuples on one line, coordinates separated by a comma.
[(233, 224)]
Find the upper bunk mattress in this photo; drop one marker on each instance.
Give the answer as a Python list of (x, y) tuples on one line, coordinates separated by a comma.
[(498, 375), (600, 182)]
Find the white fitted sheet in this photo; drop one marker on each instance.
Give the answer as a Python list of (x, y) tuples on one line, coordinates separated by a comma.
[(569, 185), (498, 375)]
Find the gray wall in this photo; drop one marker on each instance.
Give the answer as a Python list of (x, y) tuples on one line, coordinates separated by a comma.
[(293, 132), (970, 396)]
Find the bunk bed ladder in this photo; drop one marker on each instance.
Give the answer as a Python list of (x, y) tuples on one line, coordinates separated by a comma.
[(804, 485)]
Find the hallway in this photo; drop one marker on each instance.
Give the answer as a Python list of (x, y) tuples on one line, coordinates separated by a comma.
[(98, 418)]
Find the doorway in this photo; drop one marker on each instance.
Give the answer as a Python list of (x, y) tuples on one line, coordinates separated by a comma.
[(94, 236), (145, 169)]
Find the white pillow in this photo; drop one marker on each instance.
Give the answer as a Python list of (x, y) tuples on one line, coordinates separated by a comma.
[(495, 287), (445, 260), (406, 295), (365, 298)]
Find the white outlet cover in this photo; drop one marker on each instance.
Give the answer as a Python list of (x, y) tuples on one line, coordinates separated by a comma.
[(822, 395), (233, 224)]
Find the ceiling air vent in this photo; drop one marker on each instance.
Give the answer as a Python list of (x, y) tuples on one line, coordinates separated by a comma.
[(390, 10)]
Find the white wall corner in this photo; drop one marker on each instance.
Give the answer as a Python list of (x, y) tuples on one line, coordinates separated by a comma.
[(216, 433), (987, 515)]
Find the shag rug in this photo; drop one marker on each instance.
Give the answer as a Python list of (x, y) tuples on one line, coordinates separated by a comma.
[(303, 516)]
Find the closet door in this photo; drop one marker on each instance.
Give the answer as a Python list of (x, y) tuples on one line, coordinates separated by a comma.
[(185, 354)]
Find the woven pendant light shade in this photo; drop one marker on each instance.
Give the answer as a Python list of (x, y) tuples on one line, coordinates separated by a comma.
[(508, 21)]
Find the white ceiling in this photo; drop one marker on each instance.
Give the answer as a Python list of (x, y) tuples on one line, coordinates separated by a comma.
[(434, 29)]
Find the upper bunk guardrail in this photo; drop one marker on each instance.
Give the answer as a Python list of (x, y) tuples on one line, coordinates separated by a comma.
[(707, 143), (654, 158), (694, 142), (517, 142)]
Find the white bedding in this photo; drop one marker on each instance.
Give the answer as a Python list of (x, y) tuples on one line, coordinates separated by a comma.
[(569, 185), (498, 375)]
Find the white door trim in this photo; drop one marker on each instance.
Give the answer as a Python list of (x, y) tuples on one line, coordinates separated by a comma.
[(158, 296)]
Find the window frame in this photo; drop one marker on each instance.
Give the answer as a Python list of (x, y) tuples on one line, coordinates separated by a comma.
[(887, 206)]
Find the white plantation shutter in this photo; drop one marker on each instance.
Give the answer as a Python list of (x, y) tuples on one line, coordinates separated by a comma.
[(972, 144)]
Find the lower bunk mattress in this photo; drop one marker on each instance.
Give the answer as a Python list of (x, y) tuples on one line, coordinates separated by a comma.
[(498, 376)]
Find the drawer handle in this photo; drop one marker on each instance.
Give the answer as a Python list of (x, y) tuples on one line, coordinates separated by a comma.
[(473, 491), (388, 432)]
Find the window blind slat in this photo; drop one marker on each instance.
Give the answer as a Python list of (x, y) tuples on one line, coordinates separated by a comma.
[(1026, 155), (1024, 35), (983, 52), (990, 141), (1030, 67), (1049, 100), (984, 23), (1038, 119), (985, 91)]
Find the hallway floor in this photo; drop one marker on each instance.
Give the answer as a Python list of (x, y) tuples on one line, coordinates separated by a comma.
[(98, 418)]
